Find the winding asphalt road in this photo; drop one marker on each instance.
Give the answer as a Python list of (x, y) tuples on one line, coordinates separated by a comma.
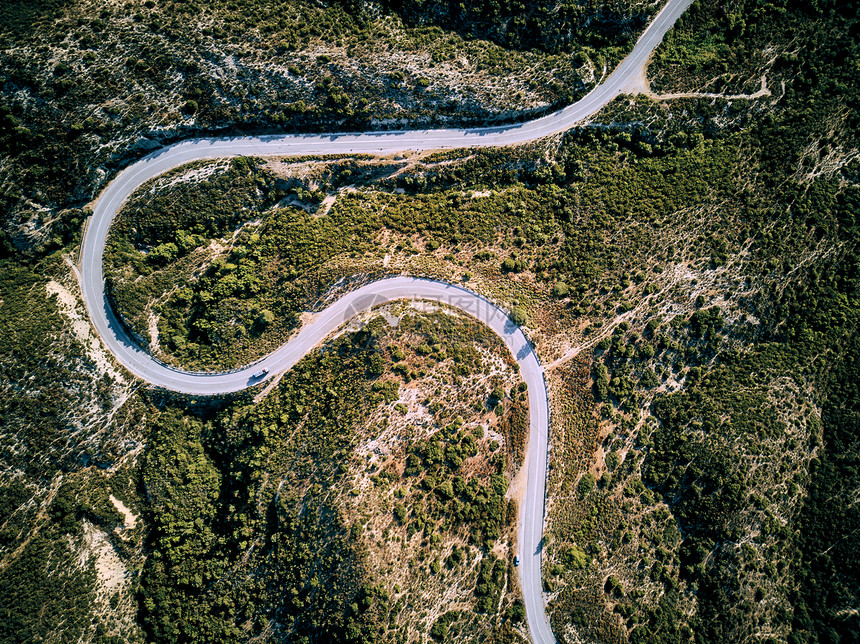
[(144, 366)]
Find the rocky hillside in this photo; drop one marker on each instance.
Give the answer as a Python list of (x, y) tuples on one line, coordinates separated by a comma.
[(687, 266), (87, 86)]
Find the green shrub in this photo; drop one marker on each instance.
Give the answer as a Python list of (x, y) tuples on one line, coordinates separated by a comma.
[(519, 316)]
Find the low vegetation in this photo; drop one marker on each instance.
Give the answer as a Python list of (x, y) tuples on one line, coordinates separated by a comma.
[(688, 271), (87, 86), (67, 437), (542, 25), (692, 506), (310, 515), (260, 258)]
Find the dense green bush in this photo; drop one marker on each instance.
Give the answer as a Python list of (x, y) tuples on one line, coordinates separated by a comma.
[(201, 473)]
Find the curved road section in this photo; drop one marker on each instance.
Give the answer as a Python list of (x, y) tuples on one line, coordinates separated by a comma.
[(144, 366)]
